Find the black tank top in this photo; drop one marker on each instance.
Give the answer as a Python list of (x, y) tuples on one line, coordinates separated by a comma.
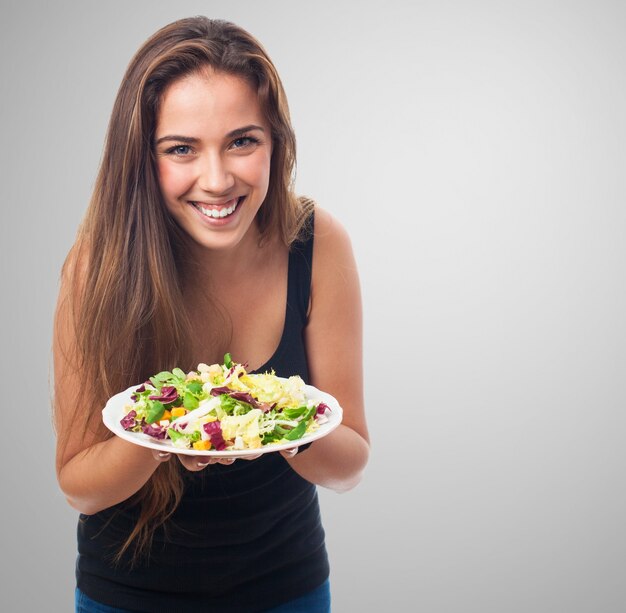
[(245, 537)]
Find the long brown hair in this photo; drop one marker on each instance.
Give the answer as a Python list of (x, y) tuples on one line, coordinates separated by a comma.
[(131, 322)]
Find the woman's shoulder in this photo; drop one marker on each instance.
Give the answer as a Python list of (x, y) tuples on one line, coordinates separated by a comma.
[(318, 224), (334, 277), (331, 239)]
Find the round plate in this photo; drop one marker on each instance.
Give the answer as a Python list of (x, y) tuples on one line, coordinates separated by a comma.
[(118, 406)]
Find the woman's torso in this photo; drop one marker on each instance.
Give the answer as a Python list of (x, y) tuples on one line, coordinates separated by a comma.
[(248, 315), (246, 536)]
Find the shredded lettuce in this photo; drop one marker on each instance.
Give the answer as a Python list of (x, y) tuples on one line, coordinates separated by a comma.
[(223, 407)]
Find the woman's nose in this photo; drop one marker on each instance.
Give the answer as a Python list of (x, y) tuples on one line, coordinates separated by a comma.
[(215, 176)]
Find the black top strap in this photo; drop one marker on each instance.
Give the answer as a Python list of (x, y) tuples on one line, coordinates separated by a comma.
[(300, 270)]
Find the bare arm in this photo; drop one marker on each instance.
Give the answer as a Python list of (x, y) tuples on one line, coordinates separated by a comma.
[(105, 474), (333, 339), (93, 475)]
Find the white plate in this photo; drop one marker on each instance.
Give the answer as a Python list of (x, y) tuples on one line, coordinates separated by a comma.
[(117, 407)]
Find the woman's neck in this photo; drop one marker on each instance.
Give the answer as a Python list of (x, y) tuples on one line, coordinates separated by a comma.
[(220, 268)]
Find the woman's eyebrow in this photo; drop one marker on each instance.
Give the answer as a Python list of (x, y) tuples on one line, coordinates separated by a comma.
[(190, 140), (243, 130)]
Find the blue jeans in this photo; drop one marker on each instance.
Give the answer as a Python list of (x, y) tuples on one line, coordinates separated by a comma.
[(316, 601)]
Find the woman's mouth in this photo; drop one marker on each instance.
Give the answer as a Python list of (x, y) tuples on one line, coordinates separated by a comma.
[(218, 211)]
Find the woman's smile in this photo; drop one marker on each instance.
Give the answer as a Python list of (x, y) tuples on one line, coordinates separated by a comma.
[(218, 215), (217, 211)]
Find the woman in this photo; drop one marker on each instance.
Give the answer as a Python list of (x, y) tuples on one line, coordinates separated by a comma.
[(193, 245)]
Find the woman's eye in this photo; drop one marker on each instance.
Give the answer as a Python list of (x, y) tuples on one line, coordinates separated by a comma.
[(179, 150), (244, 141)]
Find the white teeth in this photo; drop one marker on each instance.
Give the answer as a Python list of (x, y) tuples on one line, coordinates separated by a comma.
[(218, 214)]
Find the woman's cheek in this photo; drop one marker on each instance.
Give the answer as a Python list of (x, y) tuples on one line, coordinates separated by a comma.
[(260, 173), (172, 178)]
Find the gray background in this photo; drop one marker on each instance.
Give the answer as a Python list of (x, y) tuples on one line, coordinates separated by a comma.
[(475, 151)]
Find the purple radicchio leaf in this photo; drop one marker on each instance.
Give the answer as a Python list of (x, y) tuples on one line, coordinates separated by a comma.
[(214, 430), (128, 421), (167, 396), (153, 430), (266, 407), (218, 391), (321, 408), (245, 397), (242, 397), (240, 374), (138, 391)]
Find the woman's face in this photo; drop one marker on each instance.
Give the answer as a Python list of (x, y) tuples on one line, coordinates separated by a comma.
[(213, 149)]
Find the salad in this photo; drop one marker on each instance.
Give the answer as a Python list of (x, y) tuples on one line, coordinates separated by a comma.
[(221, 407)]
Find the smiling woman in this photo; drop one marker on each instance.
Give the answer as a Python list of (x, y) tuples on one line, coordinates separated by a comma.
[(194, 245)]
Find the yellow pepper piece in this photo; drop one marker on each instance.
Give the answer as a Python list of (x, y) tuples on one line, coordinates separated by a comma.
[(178, 411), (202, 445)]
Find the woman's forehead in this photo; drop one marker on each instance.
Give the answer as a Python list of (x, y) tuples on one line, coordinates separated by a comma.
[(208, 99)]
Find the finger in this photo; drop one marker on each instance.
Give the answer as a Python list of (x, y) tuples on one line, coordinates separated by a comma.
[(289, 453), (194, 463), (161, 456), (226, 460)]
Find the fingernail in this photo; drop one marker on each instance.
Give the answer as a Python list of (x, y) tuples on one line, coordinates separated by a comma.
[(202, 464), (164, 454)]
